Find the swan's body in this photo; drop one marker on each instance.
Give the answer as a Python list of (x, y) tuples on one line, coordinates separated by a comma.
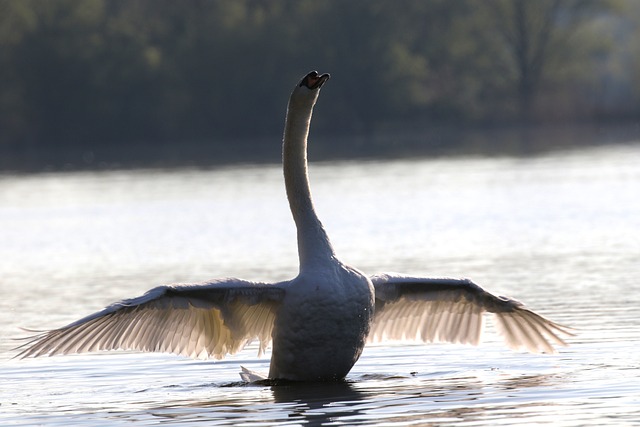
[(319, 321), (336, 298)]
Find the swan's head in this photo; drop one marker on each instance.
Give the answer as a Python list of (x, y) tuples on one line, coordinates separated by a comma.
[(306, 92), (313, 80)]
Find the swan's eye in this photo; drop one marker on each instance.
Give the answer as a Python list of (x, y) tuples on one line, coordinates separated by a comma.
[(310, 80)]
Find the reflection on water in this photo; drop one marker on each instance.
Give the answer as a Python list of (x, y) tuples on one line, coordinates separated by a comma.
[(558, 231)]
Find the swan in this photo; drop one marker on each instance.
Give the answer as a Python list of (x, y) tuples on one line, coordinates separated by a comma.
[(317, 323)]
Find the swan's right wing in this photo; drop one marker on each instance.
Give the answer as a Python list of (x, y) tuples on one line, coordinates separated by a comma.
[(452, 310), (201, 321)]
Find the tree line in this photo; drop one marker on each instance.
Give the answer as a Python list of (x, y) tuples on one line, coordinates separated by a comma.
[(124, 73)]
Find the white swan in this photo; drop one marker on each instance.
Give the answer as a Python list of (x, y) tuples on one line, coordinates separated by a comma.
[(319, 321)]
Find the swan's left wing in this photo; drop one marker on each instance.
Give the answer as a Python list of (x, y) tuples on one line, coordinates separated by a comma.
[(452, 310), (202, 320)]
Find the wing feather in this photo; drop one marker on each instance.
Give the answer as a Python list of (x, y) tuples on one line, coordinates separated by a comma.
[(205, 320), (452, 310)]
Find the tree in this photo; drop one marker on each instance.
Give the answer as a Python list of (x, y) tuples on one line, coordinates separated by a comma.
[(533, 34)]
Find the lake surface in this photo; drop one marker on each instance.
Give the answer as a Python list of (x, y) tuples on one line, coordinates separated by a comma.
[(559, 231)]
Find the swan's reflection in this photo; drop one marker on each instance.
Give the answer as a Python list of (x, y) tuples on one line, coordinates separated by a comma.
[(402, 399), (415, 399), (319, 404)]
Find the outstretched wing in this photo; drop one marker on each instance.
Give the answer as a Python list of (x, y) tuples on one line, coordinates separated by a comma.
[(201, 321), (452, 310)]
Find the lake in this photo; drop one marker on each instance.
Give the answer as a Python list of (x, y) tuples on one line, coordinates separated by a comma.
[(559, 231)]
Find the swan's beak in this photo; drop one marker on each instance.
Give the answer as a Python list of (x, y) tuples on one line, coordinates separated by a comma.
[(313, 80)]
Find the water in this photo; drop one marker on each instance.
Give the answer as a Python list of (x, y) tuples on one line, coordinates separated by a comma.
[(559, 231)]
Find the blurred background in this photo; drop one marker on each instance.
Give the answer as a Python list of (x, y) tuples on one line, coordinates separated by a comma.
[(130, 83)]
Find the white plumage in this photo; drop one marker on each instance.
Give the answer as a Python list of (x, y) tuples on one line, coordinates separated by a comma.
[(318, 322), (453, 310)]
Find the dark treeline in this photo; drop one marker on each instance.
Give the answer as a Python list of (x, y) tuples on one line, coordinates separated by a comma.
[(100, 75)]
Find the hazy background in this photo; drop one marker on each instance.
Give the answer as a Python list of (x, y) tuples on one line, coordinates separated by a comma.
[(126, 83)]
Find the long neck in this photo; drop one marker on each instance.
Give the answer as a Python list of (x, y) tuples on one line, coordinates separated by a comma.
[(313, 243)]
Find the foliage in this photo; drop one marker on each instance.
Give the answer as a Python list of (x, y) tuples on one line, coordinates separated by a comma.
[(87, 73)]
